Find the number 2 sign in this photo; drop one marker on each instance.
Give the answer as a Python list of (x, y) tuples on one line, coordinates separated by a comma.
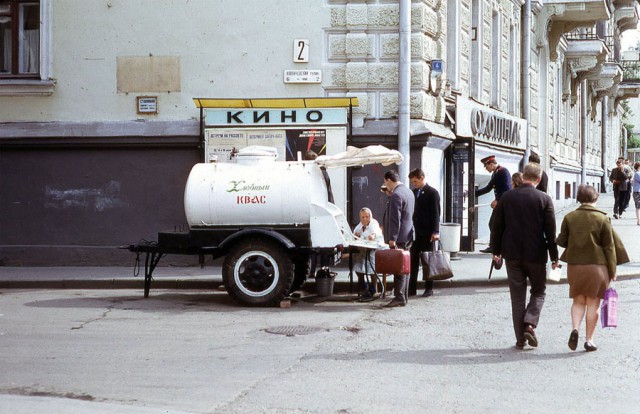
[(300, 50)]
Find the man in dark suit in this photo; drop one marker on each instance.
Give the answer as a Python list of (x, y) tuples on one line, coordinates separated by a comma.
[(524, 230), (544, 181), (426, 224), (500, 183), (398, 229)]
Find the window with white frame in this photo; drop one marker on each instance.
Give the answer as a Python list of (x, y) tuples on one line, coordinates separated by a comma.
[(19, 38), (25, 47), (475, 87), (512, 90), (453, 44), (496, 59)]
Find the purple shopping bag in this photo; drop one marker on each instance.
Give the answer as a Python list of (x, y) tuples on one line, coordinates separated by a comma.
[(609, 309)]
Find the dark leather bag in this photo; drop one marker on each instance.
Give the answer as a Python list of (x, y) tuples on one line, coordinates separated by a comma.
[(436, 264)]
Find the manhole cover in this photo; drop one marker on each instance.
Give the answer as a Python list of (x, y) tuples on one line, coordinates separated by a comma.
[(294, 330)]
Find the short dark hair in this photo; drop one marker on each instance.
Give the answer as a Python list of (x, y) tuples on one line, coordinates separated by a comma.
[(417, 173), (636, 165), (533, 157), (587, 194), (392, 175)]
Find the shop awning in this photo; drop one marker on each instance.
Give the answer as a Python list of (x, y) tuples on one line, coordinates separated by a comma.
[(353, 157), (276, 103)]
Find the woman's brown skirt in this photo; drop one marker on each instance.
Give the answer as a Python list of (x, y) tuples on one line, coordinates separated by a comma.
[(587, 280)]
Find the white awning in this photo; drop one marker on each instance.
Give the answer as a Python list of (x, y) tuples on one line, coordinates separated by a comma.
[(353, 157)]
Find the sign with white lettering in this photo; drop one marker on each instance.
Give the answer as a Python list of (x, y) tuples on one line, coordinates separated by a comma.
[(252, 117), (489, 125), (147, 104)]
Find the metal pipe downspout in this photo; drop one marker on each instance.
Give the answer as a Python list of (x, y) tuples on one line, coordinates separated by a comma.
[(583, 131), (525, 73), (625, 135), (603, 144), (404, 88)]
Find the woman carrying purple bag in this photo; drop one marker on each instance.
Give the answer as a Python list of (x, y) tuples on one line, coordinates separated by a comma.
[(592, 251)]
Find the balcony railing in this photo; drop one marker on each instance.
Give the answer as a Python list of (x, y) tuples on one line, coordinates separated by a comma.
[(630, 70), (588, 33)]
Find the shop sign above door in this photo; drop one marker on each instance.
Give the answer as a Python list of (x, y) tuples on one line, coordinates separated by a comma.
[(320, 116), (489, 125)]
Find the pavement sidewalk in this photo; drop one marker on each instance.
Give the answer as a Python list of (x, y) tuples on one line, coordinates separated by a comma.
[(471, 269)]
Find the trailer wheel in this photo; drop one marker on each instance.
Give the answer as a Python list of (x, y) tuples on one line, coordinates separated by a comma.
[(258, 273), (302, 269)]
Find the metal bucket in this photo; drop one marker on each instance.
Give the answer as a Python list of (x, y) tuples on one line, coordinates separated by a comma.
[(324, 286)]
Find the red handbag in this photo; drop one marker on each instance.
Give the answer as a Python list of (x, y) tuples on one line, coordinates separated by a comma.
[(393, 262)]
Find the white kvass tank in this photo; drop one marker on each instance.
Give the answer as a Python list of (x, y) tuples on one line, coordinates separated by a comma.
[(256, 190)]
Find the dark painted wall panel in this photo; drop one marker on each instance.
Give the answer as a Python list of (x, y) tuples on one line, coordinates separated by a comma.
[(89, 198)]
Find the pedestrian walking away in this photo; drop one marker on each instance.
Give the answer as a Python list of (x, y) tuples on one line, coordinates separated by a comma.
[(523, 235), (500, 183), (592, 251), (620, 177), (636, 190), (544, 181), (426, 224), (398, 229)]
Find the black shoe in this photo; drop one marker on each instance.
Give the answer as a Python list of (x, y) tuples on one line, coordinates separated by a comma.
[(487, 250), (615, 216), (530, 336), (573, 340), (427, 293), (590, 347)]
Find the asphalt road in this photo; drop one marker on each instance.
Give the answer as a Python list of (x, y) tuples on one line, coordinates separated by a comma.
[(111, 351)]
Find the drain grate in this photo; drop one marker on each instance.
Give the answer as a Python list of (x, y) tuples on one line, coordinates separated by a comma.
[(294, 330)]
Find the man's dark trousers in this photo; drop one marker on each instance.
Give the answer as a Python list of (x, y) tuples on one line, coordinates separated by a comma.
[(418, 246), (518, 272), (401, 282)]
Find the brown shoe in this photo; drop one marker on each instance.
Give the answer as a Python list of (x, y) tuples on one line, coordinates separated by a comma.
[(394, 304), (530, 336), (520, 344)]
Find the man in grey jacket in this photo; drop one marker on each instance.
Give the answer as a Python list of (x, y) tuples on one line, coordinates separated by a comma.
[(398, 229)]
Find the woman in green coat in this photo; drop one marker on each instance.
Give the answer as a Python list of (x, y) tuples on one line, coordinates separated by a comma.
[(592, 251)]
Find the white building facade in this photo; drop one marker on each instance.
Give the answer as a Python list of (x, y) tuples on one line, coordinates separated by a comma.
[(98, 128)]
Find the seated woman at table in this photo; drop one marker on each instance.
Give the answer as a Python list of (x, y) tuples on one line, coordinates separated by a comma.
[(364, 264)]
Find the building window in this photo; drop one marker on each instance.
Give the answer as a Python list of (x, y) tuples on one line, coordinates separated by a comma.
[(475, 88), (512, 90), (25, 47), (496, 59), (19, 38), (453, 44)]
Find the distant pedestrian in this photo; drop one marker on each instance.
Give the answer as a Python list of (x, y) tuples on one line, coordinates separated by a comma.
[(620, 177), (627, 196), (636, 190), (544, 181), (524, 234), (500, 183), (426, 224), (592, 251), (398, 229)]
